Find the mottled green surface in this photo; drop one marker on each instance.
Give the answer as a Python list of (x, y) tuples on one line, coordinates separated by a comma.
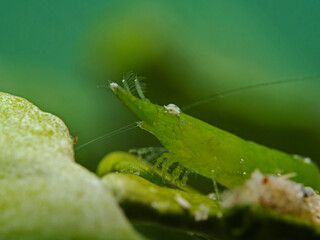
[(141, 198), (213, 152), (44, 193)]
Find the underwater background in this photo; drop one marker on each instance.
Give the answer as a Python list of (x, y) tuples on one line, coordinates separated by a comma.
[(61, 54)]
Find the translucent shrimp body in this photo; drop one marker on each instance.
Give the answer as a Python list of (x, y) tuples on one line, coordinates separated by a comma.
[(212, 152)]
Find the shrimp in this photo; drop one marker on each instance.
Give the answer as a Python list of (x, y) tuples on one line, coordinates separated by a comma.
[(210, 151)]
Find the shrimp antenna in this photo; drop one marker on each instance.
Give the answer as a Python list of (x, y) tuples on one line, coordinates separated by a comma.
[(133, 84), (248, 87), (113, 133), (128, 82), (140, 87)]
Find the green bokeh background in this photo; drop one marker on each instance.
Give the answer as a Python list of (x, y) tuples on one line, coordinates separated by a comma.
[(59, 53)]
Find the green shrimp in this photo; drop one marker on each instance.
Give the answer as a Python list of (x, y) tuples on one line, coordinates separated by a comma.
[(210, 151)]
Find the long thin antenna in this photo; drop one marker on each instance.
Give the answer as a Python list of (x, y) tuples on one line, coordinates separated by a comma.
[(139, 87), (116, 132), (127, 81), (248, 87)]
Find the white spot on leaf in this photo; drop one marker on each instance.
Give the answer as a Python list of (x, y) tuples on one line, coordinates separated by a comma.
[(182, 202), (202, 213)]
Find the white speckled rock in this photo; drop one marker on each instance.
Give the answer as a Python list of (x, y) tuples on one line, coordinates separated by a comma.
[(44, 194)]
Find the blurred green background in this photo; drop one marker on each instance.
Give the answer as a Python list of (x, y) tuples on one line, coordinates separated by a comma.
[(58, 53)]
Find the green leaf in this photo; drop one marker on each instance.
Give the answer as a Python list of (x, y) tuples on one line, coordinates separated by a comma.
[(146, 202), (44, 193), (160, 204), (128, 163)]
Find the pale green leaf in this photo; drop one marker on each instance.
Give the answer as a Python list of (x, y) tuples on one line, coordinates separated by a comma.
[(44, 193)]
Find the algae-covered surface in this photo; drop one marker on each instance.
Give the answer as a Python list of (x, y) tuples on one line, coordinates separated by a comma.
[(44, 193)]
